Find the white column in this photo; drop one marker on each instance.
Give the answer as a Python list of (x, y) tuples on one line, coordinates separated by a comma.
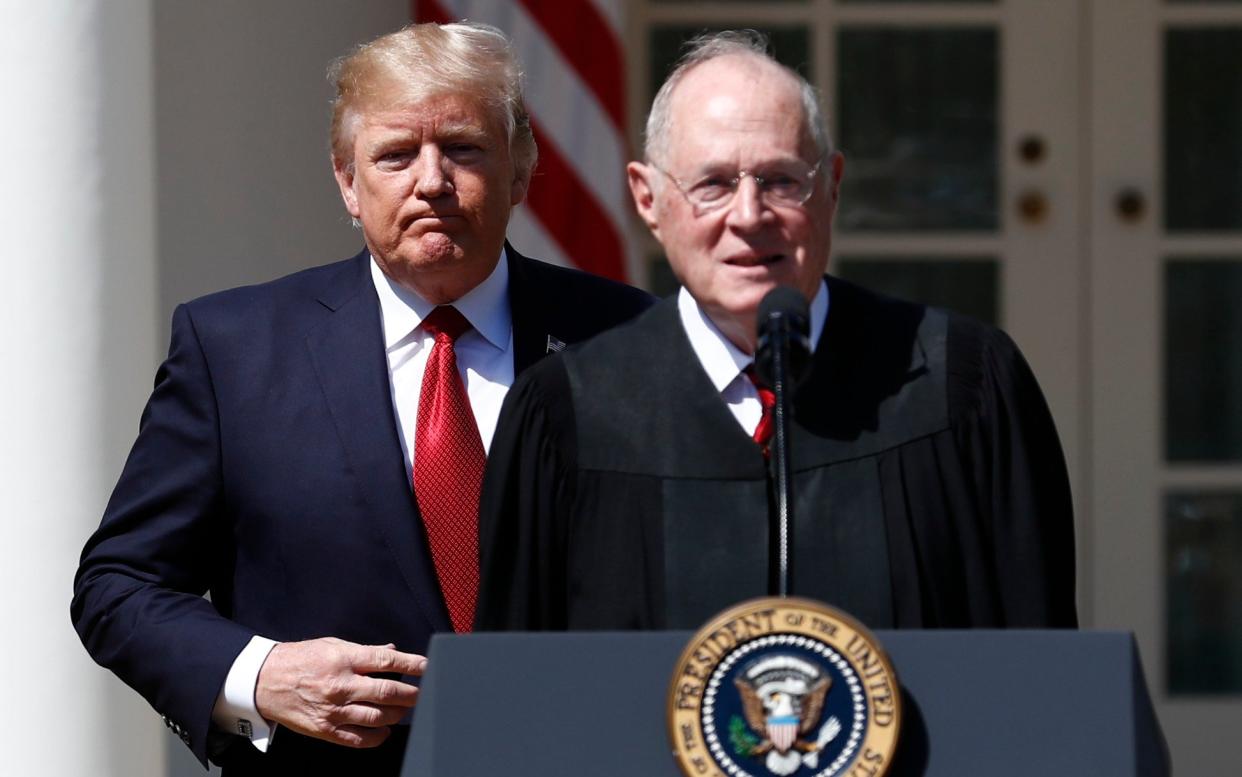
[(78, 324)]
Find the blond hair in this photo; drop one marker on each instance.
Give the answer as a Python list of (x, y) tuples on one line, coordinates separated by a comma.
[(429, 60)]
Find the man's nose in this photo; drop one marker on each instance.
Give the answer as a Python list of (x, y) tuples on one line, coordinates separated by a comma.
[(747, 208), (433, 181)]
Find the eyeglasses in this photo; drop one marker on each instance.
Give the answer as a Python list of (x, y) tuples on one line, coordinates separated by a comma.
[(788, 184)]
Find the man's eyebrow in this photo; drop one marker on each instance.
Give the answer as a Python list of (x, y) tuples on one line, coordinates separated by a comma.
[(711, 168), (707, 169), (389, 138), (458, 130)]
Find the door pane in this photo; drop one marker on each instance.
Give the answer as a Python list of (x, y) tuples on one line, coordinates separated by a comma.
[(967, 286), (1203, 360), (917, 112), (1203, 128), (1204, 592)]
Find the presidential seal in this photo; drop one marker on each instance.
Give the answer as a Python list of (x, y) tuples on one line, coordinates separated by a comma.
[(784, 686)]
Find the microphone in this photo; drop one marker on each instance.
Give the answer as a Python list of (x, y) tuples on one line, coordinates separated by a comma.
[(782, 356), (784, 322)]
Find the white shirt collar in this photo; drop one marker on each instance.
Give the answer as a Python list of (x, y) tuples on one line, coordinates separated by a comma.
[(723, 360), (486, 306)]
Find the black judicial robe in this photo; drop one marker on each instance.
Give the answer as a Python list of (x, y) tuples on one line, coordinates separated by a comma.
[(621, 493)]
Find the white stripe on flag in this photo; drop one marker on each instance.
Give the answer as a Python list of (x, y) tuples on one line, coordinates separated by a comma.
[(528, 236)]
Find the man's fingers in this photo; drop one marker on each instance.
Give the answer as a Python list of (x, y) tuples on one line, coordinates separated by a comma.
[(322, 688), (367, 659), (358, 736), (384, 692), (365, 715)]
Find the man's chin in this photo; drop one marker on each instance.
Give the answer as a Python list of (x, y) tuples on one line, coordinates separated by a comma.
[(744, 302), (432, 249)]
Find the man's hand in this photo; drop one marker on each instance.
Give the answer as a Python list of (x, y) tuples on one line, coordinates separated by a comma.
[(320, 688)]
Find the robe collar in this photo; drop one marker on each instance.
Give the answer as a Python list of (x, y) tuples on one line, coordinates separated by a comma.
[(721, 359)]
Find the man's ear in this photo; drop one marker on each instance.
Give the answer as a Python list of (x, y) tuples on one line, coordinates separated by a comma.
[(519, 187), (836, 168), (642, 189), (344, 174)]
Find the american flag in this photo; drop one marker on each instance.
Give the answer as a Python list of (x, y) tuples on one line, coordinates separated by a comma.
[(578, 205)]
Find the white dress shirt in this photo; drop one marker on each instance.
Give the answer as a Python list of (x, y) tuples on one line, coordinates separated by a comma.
[(725, 363), (485, 360), (484, 353)]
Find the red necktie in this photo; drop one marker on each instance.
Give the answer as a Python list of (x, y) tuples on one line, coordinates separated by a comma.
[(763, 432), (448, 469)]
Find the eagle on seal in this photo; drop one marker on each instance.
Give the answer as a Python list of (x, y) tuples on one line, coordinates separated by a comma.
[(782, 699)]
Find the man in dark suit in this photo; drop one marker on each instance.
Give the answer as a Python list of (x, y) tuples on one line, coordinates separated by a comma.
[(627, 483), (312, 452)]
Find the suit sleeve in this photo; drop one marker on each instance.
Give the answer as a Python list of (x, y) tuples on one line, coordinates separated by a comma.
[(164, 542), (527, 501), (1022, 486)]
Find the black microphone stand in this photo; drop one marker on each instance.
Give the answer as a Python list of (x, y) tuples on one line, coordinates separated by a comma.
[(780, 467), (780, 358)]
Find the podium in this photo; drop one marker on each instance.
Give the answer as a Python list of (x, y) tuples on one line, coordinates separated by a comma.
[(1007, 703)]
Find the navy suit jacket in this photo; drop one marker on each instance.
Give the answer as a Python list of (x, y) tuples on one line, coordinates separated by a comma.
[(268, 473)]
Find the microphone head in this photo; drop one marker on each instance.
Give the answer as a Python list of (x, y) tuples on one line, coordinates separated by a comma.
[(784, 317), (786, 301)]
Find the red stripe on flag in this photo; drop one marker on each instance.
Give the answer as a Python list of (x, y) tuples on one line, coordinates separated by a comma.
[(592, 49), (571, 215)]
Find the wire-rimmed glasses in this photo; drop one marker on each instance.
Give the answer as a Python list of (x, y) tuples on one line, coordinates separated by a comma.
[(782, 184)]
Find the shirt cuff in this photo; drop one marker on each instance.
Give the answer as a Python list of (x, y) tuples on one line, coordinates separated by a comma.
[(235, 711)]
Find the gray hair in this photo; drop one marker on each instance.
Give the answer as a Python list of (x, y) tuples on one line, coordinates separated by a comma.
[(712, 45), (427, 60)]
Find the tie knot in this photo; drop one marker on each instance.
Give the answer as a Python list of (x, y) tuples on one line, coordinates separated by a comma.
[(445, 320), (766, 397)]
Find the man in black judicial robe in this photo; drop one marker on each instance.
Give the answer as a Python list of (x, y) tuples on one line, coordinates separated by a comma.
[(625, 489)]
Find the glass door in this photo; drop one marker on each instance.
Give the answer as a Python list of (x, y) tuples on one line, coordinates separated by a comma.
[(1166, 342)]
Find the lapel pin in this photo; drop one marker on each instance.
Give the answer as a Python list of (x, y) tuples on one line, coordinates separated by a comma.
[(554, 345)]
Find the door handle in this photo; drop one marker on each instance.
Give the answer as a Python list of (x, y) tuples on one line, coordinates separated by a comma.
[(1131, 205)]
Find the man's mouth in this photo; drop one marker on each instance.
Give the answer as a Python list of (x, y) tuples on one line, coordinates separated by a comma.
[(430, 221), (755, 260)]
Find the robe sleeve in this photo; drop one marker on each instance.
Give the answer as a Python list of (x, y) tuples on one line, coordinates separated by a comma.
[(1009, 446), (527, 500)]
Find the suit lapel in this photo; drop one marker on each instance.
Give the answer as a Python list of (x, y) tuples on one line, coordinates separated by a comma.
[(348, 354), (529, 306)]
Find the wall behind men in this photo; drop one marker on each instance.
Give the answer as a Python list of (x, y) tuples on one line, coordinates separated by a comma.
[(243, 181), (244, 185)]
